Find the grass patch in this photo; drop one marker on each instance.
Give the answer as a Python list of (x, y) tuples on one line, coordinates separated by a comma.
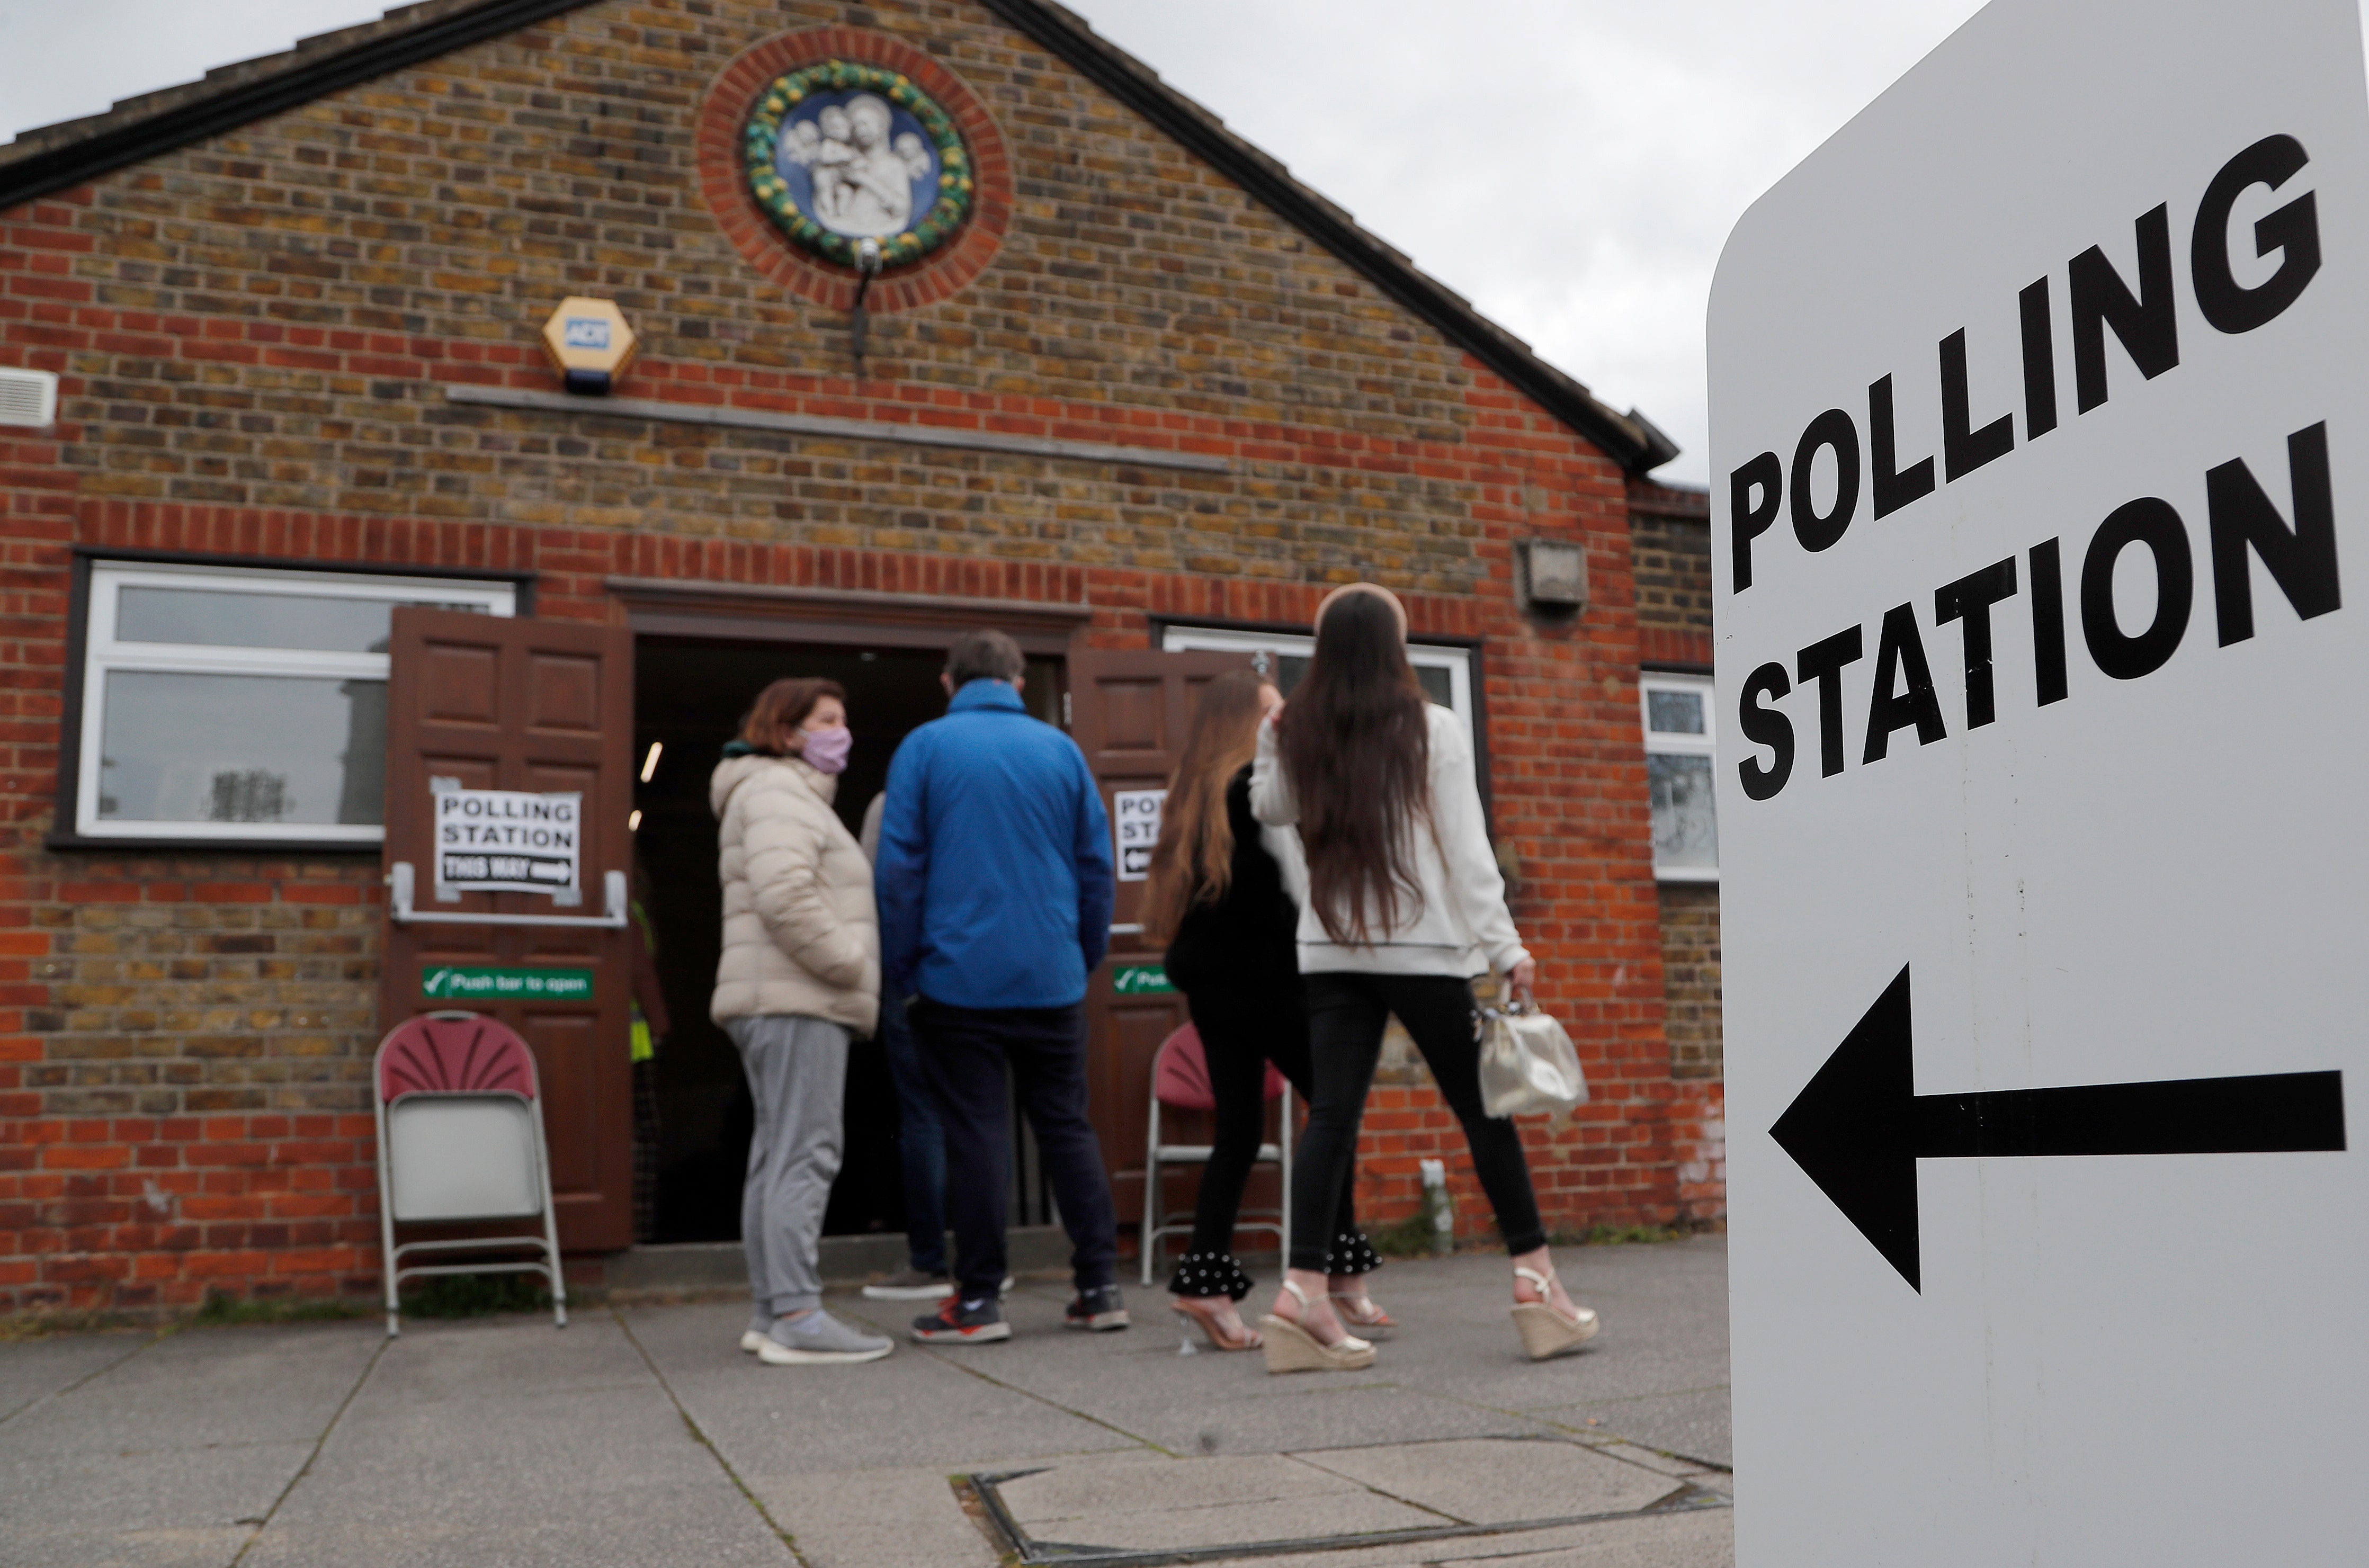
[(475, 1295), (222, 1309), (1618, 1236), (18, 1327), (1408, 1237)]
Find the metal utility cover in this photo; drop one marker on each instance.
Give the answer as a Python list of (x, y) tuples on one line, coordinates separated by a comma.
[(2038, 407)]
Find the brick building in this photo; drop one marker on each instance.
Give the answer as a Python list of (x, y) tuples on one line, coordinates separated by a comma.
[(1144, 392)]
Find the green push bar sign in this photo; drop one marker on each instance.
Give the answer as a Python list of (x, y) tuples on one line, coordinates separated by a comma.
[(469, 983), (1142, 979)]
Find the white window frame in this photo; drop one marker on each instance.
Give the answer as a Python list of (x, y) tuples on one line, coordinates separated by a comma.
[(1703, 745), (1457, 661), (102, 655)]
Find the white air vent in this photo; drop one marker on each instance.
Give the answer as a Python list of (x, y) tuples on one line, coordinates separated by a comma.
[(27, 398)]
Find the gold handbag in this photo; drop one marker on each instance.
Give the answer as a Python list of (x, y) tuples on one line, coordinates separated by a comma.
[(1527, 1063)]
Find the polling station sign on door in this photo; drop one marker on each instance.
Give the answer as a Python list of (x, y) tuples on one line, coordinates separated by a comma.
[(2039, 432), (1135, 824), (506, 841)]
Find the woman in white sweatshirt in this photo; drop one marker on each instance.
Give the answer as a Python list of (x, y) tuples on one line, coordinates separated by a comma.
[(1405, 905)]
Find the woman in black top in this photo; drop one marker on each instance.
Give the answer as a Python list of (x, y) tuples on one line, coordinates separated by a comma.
[(1227, 906)]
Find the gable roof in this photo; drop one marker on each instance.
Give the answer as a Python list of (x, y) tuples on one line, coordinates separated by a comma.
[(57, 158)]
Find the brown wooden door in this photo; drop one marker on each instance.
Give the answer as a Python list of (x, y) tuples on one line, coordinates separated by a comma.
[(1128, 712), (544, 707)]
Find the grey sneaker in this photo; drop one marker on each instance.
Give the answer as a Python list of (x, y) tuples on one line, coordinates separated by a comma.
[(819, 1338), (909, 1284), (752, 1338)]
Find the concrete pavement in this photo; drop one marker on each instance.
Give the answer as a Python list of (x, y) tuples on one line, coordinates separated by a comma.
[(641, 1436)]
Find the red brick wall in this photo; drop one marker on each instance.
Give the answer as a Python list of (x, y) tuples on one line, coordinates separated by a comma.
[(254, 334), (1669, 529)]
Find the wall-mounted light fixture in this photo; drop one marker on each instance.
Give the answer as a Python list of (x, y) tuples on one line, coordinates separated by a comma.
[(590, 344), (1552, 577), (868, 262)]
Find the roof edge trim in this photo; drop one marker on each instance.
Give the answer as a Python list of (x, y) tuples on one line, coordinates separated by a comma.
[(72, 163), (1631, 441)]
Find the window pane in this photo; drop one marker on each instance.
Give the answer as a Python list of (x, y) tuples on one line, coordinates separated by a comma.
[(1685, 824), (257, 620), (1674, 713), (1288, 668), (1437, 684), (242, 748)]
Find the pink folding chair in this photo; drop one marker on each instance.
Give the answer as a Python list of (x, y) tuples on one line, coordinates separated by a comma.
[(1180, 1081), (460, 1138)]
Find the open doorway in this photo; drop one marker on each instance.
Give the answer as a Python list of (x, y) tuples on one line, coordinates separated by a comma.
[(689, 697)]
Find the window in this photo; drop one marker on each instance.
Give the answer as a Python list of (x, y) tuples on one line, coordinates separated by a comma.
[(1446, 671), (222, 702), (1678, 751)]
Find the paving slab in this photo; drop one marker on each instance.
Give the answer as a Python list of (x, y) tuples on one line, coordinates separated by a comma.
[(913, 1409), (33, 1371), (509, 1441), (1693, 1421), (877, 1518), (1698, 1539), (1184, 1503), (1663, 1309), (1087, 1487), (173, 1455), (1496, 1481)]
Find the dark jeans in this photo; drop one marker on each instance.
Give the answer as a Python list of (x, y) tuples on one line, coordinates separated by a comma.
[(1345, 1016), (1241, 1032), (920, 1143), (965, 1051)]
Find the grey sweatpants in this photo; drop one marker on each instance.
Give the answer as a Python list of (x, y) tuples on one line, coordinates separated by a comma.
[(797, 1071)]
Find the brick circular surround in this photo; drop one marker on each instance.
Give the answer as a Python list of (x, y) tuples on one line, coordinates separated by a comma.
[(721, 181)]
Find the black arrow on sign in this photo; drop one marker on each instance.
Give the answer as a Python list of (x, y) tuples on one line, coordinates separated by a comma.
[(1859, 1127)]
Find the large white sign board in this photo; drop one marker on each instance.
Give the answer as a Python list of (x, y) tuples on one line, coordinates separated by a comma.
[(2040, 443)]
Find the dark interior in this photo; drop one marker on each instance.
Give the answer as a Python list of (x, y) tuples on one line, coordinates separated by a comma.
[(689, 697)]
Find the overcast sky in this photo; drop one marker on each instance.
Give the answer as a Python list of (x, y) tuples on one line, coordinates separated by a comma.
[(1571, 166)]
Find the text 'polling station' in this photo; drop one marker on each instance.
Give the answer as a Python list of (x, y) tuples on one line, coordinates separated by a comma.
[(2242, 523)]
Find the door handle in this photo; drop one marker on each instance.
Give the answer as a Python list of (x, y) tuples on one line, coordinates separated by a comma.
[(402, 882)]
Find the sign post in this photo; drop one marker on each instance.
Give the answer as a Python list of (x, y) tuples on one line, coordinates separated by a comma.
[(2040, 443)]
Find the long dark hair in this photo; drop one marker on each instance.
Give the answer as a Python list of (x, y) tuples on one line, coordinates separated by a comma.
[(1355, 745), (1194, 861)]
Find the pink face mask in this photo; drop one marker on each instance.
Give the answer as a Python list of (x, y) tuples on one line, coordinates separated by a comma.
[(826, 750)]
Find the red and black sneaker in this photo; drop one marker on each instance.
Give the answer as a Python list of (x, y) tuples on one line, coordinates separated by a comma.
[(958, 1321)]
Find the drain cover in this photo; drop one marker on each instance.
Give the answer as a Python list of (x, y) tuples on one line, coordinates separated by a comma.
[(1141, 1509)]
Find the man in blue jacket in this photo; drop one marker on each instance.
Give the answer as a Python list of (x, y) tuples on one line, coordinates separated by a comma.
[(994, 881)]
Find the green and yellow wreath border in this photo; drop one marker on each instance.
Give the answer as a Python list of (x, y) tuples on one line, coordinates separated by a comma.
[(761, 137)]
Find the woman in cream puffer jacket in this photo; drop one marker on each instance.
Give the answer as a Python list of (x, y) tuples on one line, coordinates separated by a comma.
[(800, 932), (799, 978)]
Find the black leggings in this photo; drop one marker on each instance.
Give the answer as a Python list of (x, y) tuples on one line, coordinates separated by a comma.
[(1346, 1013), (1241, 1032)]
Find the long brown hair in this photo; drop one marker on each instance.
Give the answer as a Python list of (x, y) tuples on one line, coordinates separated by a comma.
[(1194, 861), (1355, 745), (784, 704)]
